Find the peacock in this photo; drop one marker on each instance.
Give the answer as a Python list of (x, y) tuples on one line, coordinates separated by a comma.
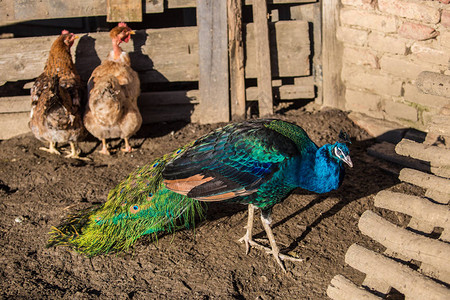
[(257, 163)]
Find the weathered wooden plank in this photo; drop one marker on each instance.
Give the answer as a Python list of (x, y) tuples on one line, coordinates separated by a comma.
[(25, 10), (123, 10), (263, 65), (159, 55), (193, 3), (15, 104), (290, 45), (151, 99), (12, 124), (213, 65), (284, 92), (331, 55), (171, 54), (154, 6), (236, 57), (167, 113), (249, 2)]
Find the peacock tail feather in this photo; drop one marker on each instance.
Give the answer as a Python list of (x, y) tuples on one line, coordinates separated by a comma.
[(139, 205)]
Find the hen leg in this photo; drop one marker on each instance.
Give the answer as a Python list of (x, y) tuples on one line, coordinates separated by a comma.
[(51, 149), (127, 146), (266, 221), (104, 148), (75, 153)]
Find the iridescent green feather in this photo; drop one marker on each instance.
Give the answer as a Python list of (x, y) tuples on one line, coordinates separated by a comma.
[(138, 206)]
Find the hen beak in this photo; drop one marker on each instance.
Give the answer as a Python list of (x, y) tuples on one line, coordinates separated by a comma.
[(348, 161), (76, 37), (132, 32)]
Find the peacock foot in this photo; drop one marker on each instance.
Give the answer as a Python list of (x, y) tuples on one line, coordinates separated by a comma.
[(279, 257)]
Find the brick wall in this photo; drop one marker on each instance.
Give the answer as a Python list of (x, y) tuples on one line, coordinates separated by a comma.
[(386, 44)]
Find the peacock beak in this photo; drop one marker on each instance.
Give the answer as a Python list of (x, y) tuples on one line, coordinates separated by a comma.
[(348, 161)]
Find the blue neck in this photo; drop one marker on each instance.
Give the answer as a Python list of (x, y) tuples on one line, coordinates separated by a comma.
[(320, 174)]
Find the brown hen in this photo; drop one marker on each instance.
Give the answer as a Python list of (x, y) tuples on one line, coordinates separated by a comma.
[(56, 115), (114, 87)]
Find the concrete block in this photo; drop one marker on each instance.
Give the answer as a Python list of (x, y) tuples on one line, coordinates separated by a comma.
[(444, 39), (385, 43), (352, 36), (411, 9), (383, 130), (400, 111), (413, 94), (358, 101), (403, 67), (360, 56), (445, 18), (368, 19), (365, 4), (417, 31), (372, 80), (429, 52)]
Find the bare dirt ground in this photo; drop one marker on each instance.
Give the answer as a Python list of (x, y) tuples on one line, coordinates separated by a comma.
[(38, 189)]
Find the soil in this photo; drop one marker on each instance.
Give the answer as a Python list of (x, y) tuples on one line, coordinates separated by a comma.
[(38, 189)]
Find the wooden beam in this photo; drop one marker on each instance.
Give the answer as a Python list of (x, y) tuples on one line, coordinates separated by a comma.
[(15, 104), (158, 55), (292, 55), (284, 92), (264, 77), (393, 274), (124, 11), (341, 288), (331, 57), (236, 58), (213, 60)]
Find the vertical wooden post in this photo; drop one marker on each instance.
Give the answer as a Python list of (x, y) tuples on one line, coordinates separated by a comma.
[(331, 55), (124, 10), (236, 57), (214, 104), (265, 99)]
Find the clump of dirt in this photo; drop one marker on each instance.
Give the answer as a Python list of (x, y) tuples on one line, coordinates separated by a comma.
[(38, 189)]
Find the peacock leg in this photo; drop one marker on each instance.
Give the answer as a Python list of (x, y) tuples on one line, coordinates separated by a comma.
[(104, 148), (247, 238), (266, 221), (75, 153), (127, 146), (51, 148)]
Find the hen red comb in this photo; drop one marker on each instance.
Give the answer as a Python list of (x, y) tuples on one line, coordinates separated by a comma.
[(65, 32), (122, 24)]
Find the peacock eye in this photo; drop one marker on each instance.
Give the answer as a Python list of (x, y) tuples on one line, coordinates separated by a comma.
[(338, 152)]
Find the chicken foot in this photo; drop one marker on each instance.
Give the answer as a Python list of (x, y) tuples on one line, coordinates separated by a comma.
[(127, 146), (51, 149), (75, 153), (104, 148), (266, 221)]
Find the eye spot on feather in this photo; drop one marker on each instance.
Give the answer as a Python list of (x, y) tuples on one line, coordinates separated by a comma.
[(134, 209), (149, 196), (155, 165)]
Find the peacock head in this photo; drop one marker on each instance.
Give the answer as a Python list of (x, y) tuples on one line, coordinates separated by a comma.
[(339, 151)]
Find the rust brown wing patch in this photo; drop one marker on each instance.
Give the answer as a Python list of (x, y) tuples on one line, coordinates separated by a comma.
[(185, 185)]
